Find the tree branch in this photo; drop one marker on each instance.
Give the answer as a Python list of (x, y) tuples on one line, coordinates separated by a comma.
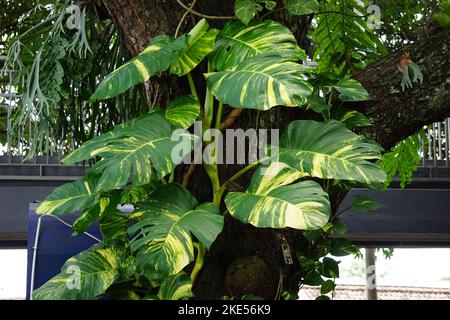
[(396, 114)]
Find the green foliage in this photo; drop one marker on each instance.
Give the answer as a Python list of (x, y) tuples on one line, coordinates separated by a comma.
[(344, 40), (157, 57), (328, 150), (261, 84), (417, 75), (200, 42), (442, 17), (176, 287), (271, 201), (351, 118), (132, 151), (162, 237), (56, 71), (237, 43), (71, 197), (365, 204), (246, 10), (404, 158), (251, 65), (88, 274), (327, 287), (183, 111), (301, 7), (351, 90)]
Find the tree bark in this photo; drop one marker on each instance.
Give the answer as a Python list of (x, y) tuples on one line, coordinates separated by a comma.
[(397, 115), (247, 260)]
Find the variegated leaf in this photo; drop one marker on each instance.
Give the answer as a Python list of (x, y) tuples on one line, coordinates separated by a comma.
[(176, 287), (104, 207), (274, 175), (85, 151), (351, 118), (238, 42), (114, 226), (351, 90), (162, 52), (87, 275), (261, 83), (270, 202), (140, 153), (200, 42), (183, 111), (89, 148), (163, 242), (328, 150), (70, 197)]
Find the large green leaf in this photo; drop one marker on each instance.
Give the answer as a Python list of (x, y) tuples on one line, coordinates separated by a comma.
[(104, 207), (84, 152), (176, 287), (183, 111), (70, 197), (261, 83), (88, 274), (140, 151), (301, 7), (238, 42), (351, 90), (270, 202), (328, 150), (162, 52), (200, 42), (246, 10), (163, 240), (351, 118), (89, 149), (114, 226)]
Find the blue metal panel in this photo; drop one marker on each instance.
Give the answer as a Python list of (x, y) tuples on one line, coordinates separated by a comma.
[(56, 245)]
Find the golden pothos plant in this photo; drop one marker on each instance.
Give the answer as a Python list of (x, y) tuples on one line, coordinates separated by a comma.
[(158, 250)]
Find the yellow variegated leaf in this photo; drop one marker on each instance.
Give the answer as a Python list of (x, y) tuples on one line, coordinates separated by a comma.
[(162, 52), (328, 150), (238, 42), (183, 111), (270, 202), (88, 275), (71, 197), (200, 42), (140, 153), (261, 83), (163, 242)]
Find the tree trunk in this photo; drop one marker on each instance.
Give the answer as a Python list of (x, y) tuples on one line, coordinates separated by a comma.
[(244, 259)]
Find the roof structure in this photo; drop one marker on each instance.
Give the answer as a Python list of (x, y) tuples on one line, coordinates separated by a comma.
[(357, 292)]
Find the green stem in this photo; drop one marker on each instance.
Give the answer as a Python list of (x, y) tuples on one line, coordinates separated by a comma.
[(242, 172), (172, 177), (192, 86), (219, 116), (213, 173), (209, 106), (198, 262)]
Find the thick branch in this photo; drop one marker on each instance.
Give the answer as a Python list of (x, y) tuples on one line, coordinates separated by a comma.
[(396, 114)]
